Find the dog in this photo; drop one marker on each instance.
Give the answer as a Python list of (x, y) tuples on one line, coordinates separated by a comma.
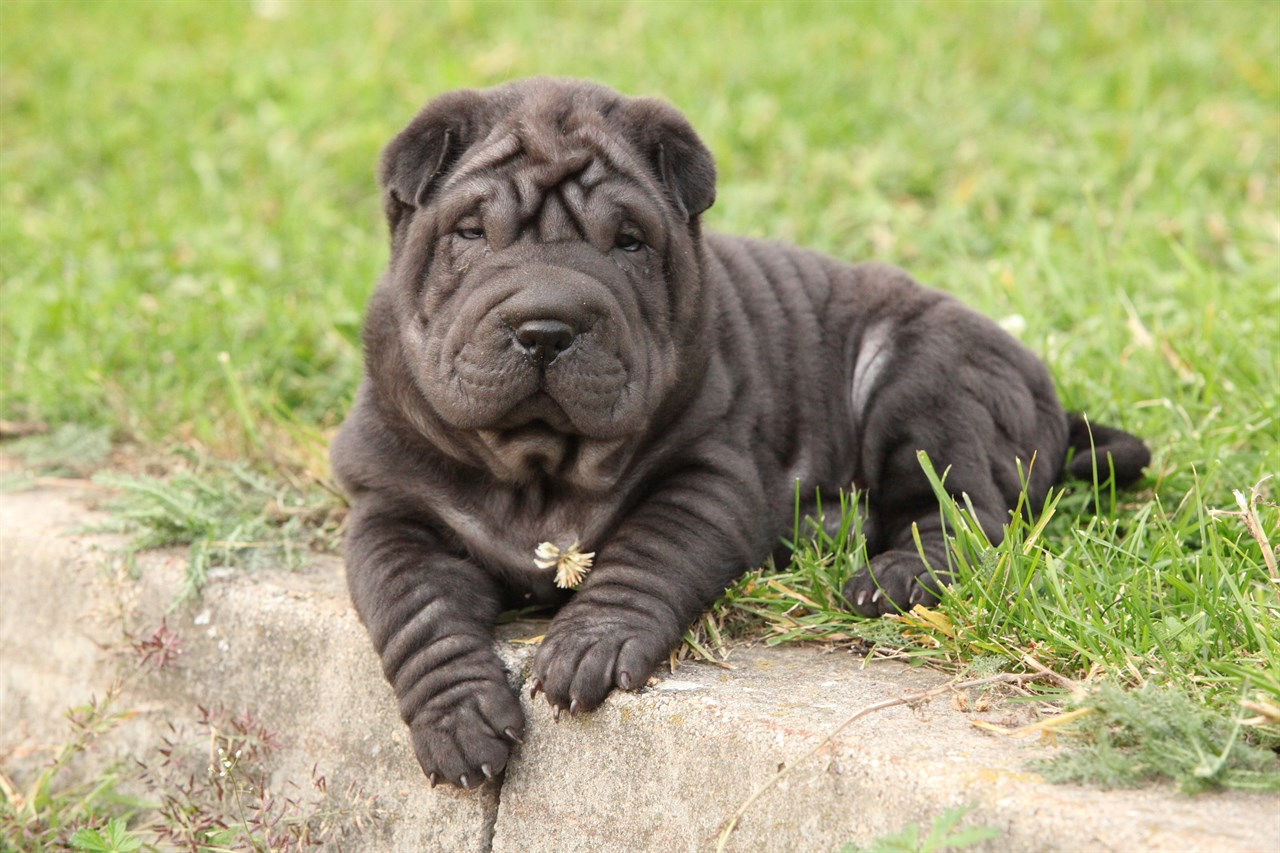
[(573, 396)]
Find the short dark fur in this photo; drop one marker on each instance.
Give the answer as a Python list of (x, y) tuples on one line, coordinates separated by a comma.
[(556, 353)]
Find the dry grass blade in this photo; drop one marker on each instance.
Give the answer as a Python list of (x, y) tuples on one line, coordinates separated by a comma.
[(909, 699), (1248, 515), (1061, 680), (1267, 713), (1044, 728)]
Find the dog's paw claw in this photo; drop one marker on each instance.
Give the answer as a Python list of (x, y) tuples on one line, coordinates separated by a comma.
[(582, 659), (455, 741), (895, 582)]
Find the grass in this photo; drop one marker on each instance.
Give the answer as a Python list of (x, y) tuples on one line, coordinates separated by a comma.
[(228, 516), (189, 228), (1193, 632)]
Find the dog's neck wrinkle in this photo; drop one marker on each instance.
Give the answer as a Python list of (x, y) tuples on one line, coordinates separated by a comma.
[(503, 526)]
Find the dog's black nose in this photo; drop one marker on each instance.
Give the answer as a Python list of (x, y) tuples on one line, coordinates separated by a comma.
[(543, 340)]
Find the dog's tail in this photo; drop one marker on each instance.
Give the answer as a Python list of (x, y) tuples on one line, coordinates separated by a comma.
[(1103, 452)]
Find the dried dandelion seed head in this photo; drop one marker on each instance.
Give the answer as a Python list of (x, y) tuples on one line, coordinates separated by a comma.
[(571, 564)]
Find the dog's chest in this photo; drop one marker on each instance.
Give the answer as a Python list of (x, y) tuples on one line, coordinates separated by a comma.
[(504, 528)]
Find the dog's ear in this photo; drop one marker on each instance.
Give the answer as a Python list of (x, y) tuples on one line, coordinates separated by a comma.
[(676, 154), (415, 161)]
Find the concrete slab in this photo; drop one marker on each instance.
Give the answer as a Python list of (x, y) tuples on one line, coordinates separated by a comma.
[(664, 769), (661, 769)]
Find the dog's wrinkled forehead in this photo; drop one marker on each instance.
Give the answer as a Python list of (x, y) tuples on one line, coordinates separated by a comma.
[(517, 144), (541, 168)]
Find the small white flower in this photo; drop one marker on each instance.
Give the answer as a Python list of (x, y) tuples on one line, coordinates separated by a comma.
[(571, 564)]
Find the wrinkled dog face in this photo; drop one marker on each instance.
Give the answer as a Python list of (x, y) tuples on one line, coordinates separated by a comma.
[(546, 270)]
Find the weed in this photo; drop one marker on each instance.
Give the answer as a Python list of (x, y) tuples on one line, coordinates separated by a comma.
[(942, 836), (204, 787), (54, 806), (113, 838), (157, 650), (70, 450), (1157, 734), (217, 796)]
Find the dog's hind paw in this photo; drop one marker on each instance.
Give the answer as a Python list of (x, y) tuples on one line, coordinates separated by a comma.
[(895, 582)]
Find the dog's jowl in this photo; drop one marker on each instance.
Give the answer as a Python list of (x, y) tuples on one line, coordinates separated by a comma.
[(573, 396)]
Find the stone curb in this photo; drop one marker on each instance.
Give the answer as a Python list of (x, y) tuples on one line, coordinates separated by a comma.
[(657, 770)]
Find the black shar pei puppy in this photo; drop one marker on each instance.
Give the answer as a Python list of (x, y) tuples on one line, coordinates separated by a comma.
[(559, 363)]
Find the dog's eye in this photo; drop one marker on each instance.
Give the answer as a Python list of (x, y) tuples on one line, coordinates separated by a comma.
[(628, 242), (470, 233)]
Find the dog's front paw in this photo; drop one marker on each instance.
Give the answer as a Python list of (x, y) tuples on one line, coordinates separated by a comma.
[(463, 736), (895, 582), (582, 658)]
